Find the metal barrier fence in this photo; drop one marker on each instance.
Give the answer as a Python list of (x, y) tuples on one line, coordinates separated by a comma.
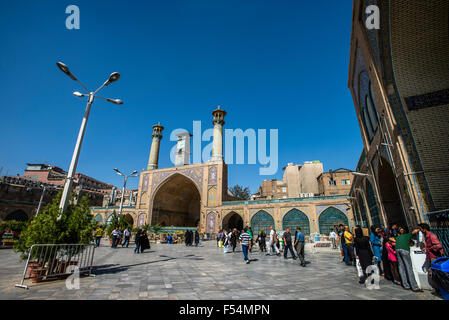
[(53, 261)]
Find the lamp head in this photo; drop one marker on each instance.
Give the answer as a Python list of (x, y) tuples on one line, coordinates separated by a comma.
[(66, 70), (79, 94), (112, 78), (115, 101)]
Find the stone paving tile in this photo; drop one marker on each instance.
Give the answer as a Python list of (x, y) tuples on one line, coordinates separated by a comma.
[(172, 272)]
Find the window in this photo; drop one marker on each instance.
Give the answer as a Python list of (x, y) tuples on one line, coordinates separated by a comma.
[(346, 182), (284, 189), (332, 183)]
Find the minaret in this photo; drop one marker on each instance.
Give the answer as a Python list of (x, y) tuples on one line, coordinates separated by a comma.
[(218, 122), (154, 152)]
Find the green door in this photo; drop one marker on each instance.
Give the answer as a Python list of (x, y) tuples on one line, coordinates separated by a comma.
[(296, 218), (262, 220), (331, 218)]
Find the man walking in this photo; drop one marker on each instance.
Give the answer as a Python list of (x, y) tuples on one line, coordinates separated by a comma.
[(126, 236), (299, 246), (98, 235), (349, 242), (115, 234), (245, 239), (287, 236), (404, 260), (333, 237), (272, 242)]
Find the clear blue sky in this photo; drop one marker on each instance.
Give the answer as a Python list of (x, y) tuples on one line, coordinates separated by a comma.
[(271, 64)]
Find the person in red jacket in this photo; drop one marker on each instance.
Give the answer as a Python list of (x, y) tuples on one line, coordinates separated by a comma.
[(433, 250)]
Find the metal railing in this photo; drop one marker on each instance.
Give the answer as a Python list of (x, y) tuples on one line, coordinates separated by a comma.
[(53, 261), (286, 200)]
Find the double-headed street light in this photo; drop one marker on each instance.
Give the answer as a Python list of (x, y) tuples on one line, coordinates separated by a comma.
[(91, 95), (132, 174)]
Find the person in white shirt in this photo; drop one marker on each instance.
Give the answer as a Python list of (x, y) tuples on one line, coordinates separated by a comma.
[(333, 237), (272, 242)]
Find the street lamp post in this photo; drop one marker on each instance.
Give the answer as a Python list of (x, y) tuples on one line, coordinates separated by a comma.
[(132, 174), (44, 188), (91, 96)]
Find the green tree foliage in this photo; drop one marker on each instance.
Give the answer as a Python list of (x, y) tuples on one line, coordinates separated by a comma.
[(76, 226), (240, 193), (13, 225), (155, 228), (115, 222)]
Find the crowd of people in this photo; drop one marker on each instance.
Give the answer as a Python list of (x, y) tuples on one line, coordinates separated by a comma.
[(190, 236), (229, 240), (389, 251)]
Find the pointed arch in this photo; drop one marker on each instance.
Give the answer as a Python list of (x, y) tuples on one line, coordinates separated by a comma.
[(262, 220), (330, 218), (296, 218)]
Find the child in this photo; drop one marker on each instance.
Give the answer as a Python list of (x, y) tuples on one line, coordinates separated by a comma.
[(393, 260)]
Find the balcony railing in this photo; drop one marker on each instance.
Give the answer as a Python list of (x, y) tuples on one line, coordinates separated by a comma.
[(287, 200)]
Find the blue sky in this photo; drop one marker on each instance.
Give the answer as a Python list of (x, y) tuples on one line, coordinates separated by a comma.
[(270, 64)]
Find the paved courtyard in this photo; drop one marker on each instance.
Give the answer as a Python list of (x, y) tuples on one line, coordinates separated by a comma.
[(173, 272)]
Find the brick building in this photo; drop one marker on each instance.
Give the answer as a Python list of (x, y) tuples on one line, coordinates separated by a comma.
[(399, 81)]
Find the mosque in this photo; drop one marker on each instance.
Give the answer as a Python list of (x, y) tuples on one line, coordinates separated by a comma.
[(197, 195)]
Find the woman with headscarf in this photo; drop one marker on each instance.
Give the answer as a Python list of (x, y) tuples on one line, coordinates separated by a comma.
[(363, 252), (137, 240), (197, 238), (384, 254), (233, 240), (144, 242), (376, 244)]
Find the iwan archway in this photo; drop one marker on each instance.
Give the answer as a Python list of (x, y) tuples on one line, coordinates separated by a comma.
[(262, 220), (177, 202), (232, 221), (331, 218), (296, 218)]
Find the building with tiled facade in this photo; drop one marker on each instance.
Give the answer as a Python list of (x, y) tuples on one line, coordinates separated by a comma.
[(196, 195), (399, 80)]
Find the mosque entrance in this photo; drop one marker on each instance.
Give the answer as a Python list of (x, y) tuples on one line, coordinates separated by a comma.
[(232, 221), (177, 203), (390, 195)]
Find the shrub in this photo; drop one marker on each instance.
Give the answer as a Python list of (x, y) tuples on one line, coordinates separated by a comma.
[(76, 226)]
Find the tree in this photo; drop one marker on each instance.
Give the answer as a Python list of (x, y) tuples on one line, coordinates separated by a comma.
[(240, 193), (117, 222), (156, 228), (76, 226)]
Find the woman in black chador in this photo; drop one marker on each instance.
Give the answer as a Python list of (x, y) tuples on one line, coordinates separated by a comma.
[(144, 241), (363, 251)]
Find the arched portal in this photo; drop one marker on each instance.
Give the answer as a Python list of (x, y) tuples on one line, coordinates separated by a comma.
[(177, 203), (232, 220), (296, 218), (390, 197), (331, 218), (262, 220), (128, 218), (98, 218), (109, 220), (18, 215), (372, 205)]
